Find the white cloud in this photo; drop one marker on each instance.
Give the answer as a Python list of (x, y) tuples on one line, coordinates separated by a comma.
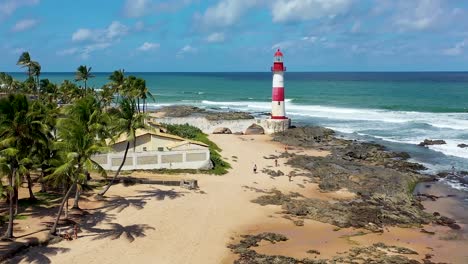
[(24, 24), (113, 32), (215, 37), (147, 46), (300, 10), (420, 14), (82, 34), (70, 51), (186, 49), (88, 49), (137, 8), (295, 43), (457, 49), (225, 13), (8, 7)]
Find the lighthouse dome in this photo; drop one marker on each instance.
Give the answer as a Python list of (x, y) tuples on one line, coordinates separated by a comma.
[(278, 53)]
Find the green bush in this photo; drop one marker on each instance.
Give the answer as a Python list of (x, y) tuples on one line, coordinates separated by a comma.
[(193, 133)]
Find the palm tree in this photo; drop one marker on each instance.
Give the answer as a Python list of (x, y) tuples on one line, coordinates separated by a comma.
[(35, 69), (25, 62), (126, 121), (144, 93), (19, 129), (117, 79), (82, 136), (89, 112), (83, 74)]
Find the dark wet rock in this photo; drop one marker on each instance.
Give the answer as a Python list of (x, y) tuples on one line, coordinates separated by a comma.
[(222, 130), (276, 198), (395, 249), (446, 221), (254, 129), (429, 142), (298, 222), (463, 145), (215, 116), (305, 136), (273, 173), (378, 253), (427, 232), (371, 213), (239, 133), (249, 256), (313, 251)]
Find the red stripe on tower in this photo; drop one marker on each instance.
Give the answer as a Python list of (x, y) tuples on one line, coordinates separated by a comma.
[(278, 94)]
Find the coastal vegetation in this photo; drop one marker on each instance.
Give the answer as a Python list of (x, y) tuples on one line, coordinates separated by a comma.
[(220, 166), (52, 131)]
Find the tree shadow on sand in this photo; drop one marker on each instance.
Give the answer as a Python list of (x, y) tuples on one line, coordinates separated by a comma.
[(160, 195), (38, 255), (121, 203), (117, 231)]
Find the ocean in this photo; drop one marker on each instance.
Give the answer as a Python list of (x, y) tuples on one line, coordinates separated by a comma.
[(396, 109)]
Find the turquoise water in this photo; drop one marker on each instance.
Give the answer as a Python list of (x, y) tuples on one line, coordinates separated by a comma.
[(398, 110)]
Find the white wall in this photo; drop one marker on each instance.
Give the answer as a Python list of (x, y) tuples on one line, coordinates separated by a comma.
[(155, 160)]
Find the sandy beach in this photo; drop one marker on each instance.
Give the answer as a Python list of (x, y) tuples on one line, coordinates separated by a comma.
[(162, 224)]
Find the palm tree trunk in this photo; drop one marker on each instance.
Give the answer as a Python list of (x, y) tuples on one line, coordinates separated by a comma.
[(41, 180), (53, 230), (9, 231), (77, 199), (31, 194), (138, 104), (117, 173), (15, 189)]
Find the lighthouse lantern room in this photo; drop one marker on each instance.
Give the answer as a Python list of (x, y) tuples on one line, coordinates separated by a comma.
[(277, 106)]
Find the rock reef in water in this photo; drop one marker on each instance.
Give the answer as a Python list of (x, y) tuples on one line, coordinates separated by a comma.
[(187, 110), (428, 142)]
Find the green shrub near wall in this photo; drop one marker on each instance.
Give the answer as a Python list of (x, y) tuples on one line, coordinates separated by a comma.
[(193, 133)]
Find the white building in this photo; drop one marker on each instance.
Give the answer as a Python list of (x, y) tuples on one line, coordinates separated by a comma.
[(156, 150)]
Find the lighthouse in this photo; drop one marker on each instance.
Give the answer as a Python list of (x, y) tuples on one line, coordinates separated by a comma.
[(278, 111)]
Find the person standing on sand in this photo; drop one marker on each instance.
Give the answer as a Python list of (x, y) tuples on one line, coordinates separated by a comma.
[(276, 162), (255, 169)]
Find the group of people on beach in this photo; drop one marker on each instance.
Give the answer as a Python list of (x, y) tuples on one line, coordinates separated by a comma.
[(276, 165)]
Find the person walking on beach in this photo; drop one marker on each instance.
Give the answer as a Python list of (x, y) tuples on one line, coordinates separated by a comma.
[(255, 169), (276, 162)]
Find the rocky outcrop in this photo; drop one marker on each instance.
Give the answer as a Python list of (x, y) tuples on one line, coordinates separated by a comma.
[(463, 145), (429, 142), (305, 136), (371, 212), (215, 116), (222, 130), (180, 110), (376, 253), (254, 129)]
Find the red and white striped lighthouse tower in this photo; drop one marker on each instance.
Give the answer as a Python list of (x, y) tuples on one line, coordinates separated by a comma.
[(277, 105)]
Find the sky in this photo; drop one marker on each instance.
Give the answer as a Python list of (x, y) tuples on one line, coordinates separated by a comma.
[(235, 35)]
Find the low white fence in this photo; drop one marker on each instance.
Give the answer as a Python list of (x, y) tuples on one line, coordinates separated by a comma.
[(184, 159)]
